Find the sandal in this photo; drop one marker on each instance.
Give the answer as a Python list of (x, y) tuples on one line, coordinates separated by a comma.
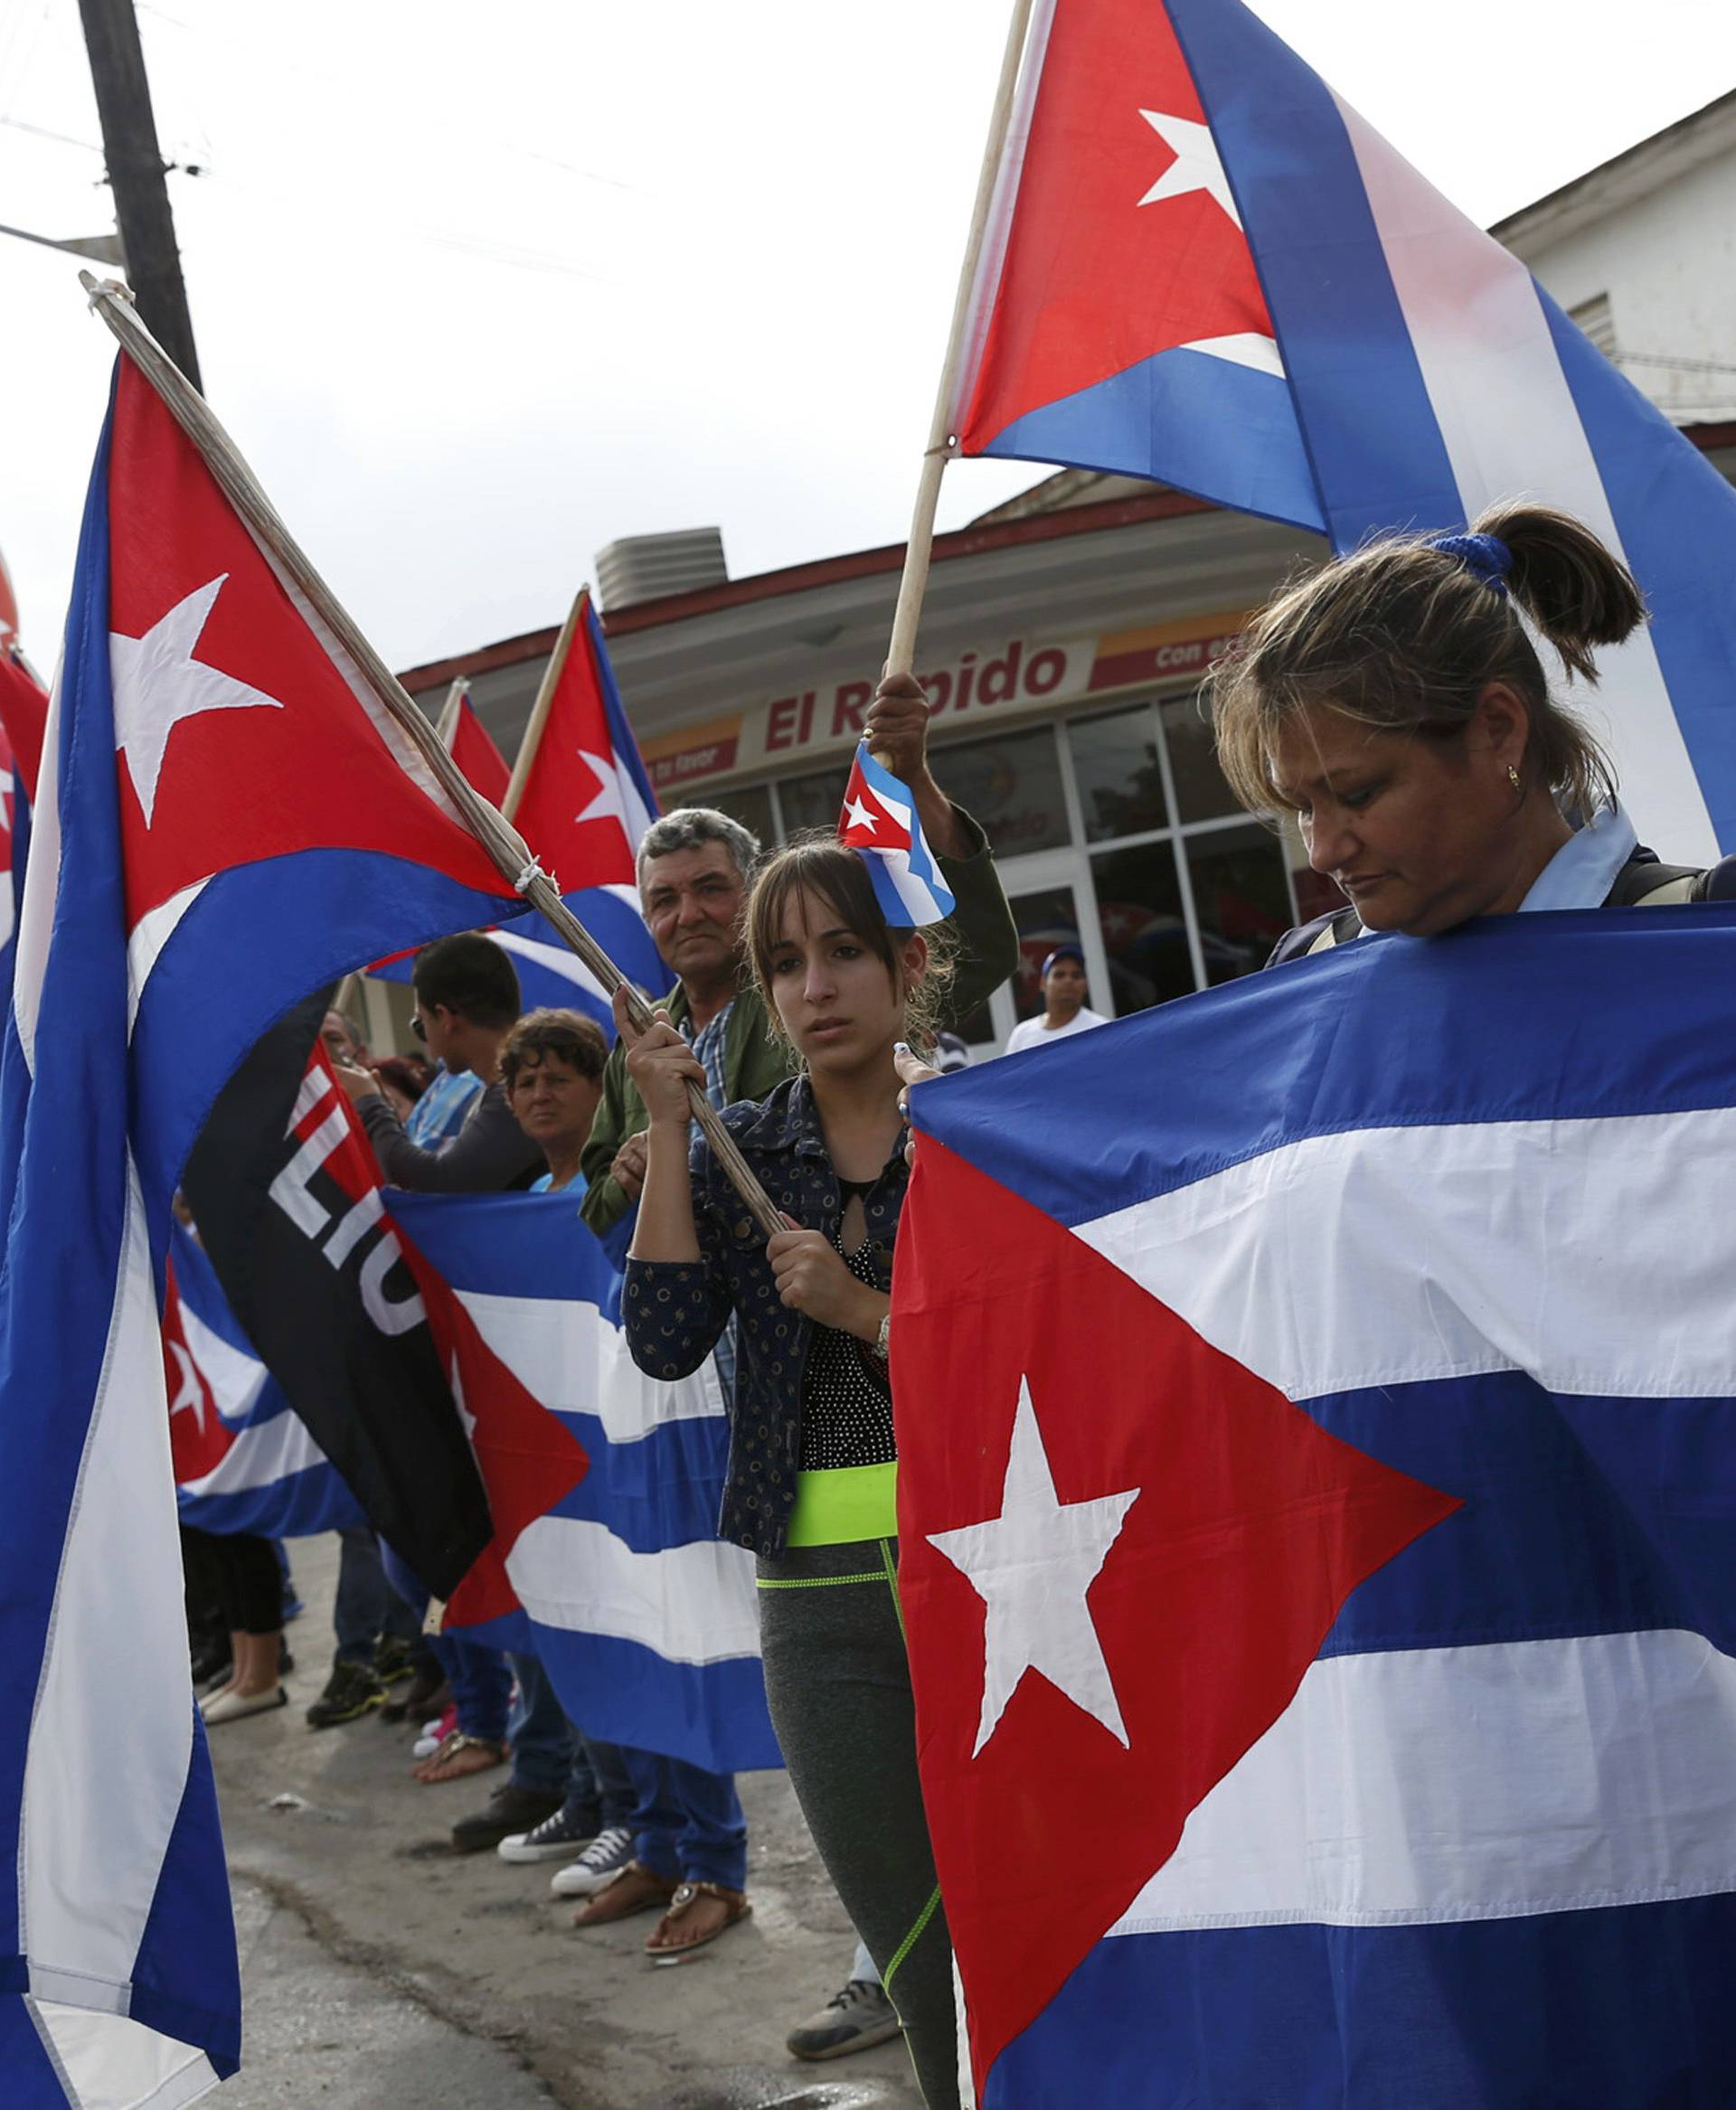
[(458, 1756), (635, 1888), (663, 1950)]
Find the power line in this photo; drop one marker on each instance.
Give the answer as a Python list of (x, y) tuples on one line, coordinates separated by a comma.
[(42, 132)]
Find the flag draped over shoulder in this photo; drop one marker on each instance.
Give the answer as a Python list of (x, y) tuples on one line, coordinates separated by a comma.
[(225, 818), (1203, 266), (1326, 1470), (243, 1461), (604, 1485)]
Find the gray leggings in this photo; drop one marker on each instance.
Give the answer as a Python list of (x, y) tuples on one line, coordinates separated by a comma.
[(839, 1685)]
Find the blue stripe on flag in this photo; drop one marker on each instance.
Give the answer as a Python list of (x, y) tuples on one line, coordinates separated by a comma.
[(1504, 2014), (1676, 517), (1182, 404), (300, 1506), (1507, 1019), (1560, 1494), (1371, 431)]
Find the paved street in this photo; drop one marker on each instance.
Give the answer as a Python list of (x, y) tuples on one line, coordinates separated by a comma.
[(383, 1972)]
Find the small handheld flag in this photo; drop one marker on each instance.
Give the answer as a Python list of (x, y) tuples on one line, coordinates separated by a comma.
[(879, 824)]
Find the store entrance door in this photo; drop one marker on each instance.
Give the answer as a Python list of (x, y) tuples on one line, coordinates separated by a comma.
[(1052, 904)]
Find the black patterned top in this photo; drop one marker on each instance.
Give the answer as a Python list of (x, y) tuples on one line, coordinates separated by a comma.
[(846, 1398), (675, 1310)]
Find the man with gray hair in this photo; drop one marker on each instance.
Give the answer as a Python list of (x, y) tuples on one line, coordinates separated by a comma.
[(694, 868)]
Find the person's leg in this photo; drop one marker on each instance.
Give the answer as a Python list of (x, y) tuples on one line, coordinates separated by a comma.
[(837, 1682), (542, 1738), (252, 1589), (648, 1879), (857, 2016), (359, 1609), (616, 1794), (712, 1849)]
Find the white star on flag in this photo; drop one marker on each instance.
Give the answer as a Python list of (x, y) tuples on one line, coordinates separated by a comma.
[(615, 798), (1196, 165), (455, 1379), (1032, 1566), (859, 815), (158, 683), (190, 1395)]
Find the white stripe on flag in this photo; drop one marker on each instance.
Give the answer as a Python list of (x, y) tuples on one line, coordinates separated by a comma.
[(151, 933), (1418, 1786), (121, 2065), (111, 1733), (566, 1354), (555, 958), (1511, 431), (694, 1603), (235, 1377), (42, 888), (1388, 1256)]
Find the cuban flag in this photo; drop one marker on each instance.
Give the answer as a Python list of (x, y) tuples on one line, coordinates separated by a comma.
[(1203, 266), (226, 817), (879, 824), (243, 1462), (1317, 1525), (603, 1482), (472, 748), (586, 804)]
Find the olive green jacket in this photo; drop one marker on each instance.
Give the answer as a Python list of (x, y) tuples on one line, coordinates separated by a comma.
[(755, 1059)]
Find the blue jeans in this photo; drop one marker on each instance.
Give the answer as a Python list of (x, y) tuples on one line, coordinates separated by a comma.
[(366, 1605), (687, 1823), (545, 1742), (481, 1683)]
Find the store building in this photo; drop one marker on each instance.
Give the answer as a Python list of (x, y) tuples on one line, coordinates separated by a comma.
[(1065, 634)]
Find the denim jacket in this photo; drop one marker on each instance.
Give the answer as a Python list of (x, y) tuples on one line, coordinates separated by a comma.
[(675, 1310)]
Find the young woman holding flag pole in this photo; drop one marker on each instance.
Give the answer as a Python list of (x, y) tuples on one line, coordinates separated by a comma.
[(811, 1483)]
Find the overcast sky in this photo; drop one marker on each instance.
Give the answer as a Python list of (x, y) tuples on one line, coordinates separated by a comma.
[(479, 289)]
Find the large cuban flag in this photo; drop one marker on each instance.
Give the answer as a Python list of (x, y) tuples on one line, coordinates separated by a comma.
[(1318, 1516), (244, 1460), (1204, 266), (604, 1485), (226, 817)]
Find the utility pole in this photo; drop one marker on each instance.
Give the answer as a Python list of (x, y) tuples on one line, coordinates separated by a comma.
[(135, 175)]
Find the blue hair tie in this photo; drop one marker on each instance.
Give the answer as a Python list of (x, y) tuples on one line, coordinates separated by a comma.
[(1485, 557)]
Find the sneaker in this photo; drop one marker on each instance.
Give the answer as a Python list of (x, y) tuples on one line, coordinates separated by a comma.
[(510, 1809), (351, 1691), (392, 1661), (604, 1859), (435, 1733), (554, 1838), (853, 2019)]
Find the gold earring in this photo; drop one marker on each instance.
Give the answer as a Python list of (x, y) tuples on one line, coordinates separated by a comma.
[(1512, 777)]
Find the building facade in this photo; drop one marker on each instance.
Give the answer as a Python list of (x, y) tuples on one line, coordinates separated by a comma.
[(1065, 635)]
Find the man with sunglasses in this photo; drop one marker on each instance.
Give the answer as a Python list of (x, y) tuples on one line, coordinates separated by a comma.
[(467, 1003)]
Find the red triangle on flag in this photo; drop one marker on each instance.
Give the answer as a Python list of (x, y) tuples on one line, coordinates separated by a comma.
[(1123, 243), (1233, 1529), (477, 754), (528, 1458), (242, 737), (199, 1436), (579, 808)]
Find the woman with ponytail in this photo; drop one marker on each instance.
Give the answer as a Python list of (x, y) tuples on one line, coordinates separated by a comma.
[(1394, 703)]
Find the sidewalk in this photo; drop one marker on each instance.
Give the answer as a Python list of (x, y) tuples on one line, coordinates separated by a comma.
[(367, 1888)]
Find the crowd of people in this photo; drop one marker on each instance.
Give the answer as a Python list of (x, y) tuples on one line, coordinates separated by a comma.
[(1394, 703)]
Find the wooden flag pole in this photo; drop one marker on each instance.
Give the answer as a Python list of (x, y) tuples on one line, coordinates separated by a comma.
[(438, 773), (539, 718), (901, 656), (447, 729)]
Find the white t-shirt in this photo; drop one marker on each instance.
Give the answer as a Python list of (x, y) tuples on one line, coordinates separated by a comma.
[(1032, 1033)]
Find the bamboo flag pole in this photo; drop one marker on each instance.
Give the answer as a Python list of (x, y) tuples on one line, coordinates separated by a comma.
[(447, 729), (533, 741), (502, 842), (901, 656)]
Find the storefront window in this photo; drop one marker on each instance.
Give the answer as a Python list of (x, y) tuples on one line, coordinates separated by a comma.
[(1201, 792), (813, 802), (1139, 911), (1121, 781), (1241, 898), (1044, 919), (1013, 786), (750, 803)]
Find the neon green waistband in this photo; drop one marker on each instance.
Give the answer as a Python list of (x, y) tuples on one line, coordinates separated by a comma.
[(839, 1507)]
